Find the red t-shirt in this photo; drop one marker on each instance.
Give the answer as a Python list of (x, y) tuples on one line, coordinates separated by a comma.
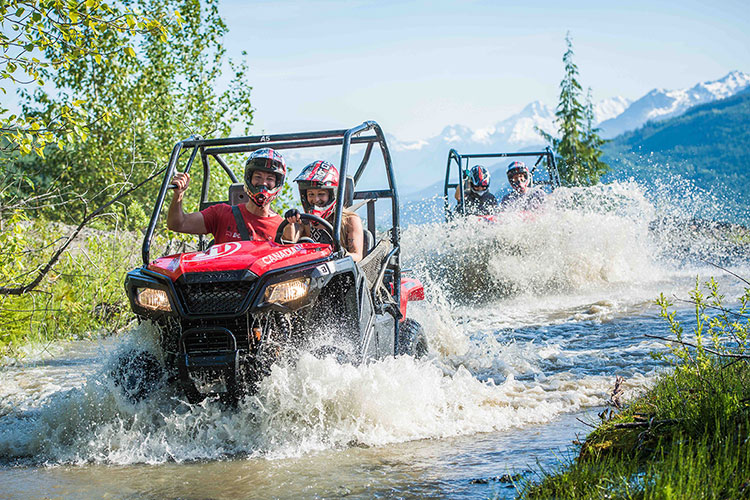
[(220, 222)]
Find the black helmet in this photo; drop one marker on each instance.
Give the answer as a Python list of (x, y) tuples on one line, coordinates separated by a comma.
[(264, 160)]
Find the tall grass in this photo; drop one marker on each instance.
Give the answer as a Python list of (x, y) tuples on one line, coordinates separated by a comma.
[(686, 438)]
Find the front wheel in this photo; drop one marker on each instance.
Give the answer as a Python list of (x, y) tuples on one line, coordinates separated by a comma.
[(137, 374), (412, 340)]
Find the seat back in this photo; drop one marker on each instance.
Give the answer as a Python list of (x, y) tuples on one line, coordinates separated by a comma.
[(348, 191), (369, 242), (237, 194)]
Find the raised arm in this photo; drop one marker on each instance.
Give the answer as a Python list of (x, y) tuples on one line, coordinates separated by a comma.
[(177, 219)]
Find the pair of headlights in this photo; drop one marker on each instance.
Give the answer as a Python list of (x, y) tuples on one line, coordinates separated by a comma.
[(283, 293)]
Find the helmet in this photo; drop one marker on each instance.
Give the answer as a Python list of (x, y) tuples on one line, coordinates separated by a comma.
[(479, 177), (265, 160), (318, 175), (519, 167)]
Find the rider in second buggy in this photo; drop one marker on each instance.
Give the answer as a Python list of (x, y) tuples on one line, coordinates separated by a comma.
[(523, 196), (318, 183), (477, 197)]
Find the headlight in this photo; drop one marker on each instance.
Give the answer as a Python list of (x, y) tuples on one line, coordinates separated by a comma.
[(288, 291), (150, 298)]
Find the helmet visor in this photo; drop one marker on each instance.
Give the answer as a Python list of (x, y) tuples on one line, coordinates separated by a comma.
[(263, 164)]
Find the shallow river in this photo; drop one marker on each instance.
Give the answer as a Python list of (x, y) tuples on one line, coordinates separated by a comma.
[(529, 321)]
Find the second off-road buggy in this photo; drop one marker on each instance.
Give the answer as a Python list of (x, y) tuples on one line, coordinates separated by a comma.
[(227, 312), (458, 165)]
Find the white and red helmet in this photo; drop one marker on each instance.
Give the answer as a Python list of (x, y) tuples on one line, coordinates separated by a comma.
[(479, 179), (318, 175), (265, 160), (519, 167)]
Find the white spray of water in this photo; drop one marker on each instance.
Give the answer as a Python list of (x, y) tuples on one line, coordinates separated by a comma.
[(603, 240), (565, 266), (312, 404)]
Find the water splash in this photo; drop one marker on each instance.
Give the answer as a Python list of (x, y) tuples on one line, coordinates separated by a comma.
[(312, 404), (526, 319), (591, 238)]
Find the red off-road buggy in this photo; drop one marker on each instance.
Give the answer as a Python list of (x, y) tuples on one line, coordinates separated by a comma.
[(227, 312)]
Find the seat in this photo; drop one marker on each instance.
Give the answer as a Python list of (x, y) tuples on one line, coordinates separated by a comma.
[(369, 239), (348, 191), (369, 242), (237, 194)]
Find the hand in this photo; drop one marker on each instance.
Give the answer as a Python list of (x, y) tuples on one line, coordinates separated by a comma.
[(181, 180), (292, 216)]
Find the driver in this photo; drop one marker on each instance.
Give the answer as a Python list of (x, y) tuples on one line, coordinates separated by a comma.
[(318, 183), (477, 198), (265, 171), (523, 196)]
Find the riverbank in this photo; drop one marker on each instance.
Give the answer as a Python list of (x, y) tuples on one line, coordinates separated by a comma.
[(81, 296), (686, 437)]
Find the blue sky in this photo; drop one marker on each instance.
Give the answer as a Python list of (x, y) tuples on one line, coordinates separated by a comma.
[(417, 66)]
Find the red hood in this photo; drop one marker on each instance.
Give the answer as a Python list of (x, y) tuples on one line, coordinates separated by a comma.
[(258, 257)]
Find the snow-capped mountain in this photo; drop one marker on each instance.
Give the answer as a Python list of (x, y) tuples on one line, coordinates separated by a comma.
[(422, 163), (425, 160), (517, 130), (610, 108), (660, 104)]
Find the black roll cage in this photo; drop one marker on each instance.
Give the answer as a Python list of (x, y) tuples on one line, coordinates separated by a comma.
[(462, 164), (214, 148)]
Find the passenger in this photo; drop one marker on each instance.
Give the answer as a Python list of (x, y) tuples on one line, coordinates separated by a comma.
[(265, 171), (477, 197), (523, 196), (318, 183)]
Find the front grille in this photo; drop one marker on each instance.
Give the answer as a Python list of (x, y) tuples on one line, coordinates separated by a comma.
[(208, 342), (214, 298)]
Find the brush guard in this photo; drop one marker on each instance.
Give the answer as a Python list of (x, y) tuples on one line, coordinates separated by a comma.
[(209, 350)]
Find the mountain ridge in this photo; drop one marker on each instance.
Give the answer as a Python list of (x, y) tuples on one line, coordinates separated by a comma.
[(426, 158)]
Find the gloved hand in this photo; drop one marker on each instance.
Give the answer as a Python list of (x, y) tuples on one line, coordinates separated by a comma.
[(292, 216)]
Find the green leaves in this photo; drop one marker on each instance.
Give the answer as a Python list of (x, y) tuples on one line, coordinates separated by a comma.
[(64, 306), (130, 95), (65, 33), (721, 332)]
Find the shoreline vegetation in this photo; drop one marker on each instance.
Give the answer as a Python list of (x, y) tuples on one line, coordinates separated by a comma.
[(80, 297), (686, 437)]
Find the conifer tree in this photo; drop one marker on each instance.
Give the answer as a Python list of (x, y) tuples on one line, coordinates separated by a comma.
[(578, 143), (592, 144)]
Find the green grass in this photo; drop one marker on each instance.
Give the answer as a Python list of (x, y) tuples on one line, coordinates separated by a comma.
[(686, 438), (700, 450), (713, 465)]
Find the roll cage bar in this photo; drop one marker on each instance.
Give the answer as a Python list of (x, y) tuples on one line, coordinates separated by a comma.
[(214, 148), (462, 164)]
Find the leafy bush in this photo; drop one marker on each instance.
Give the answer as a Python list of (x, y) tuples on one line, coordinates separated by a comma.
[(81, 297)]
